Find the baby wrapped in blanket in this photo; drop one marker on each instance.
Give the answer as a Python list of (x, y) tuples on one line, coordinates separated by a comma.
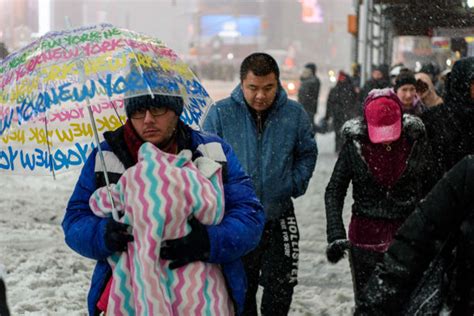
[(158, 195)]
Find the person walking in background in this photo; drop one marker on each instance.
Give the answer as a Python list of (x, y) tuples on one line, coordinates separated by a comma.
[(447, 211), (355, 78), (425, 90), (386, 157), (156, 120), (405, 88), (341, 106), (273, 140), (376, 81), (385, 70), (308, 93)]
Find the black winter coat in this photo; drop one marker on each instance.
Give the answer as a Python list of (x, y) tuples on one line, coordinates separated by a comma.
[(342, 103), (447, 209), (450, 126), (308, 95), (371, 199)]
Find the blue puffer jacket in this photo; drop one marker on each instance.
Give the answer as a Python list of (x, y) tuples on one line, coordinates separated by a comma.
[(237, 234), (280, 160)]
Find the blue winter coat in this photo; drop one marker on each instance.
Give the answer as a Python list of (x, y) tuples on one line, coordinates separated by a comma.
[(281, 160), (237, 234)]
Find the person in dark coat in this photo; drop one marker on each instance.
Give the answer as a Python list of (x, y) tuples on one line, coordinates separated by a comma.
[(355, 78), (385, 155), (341, 105), (448, 209), (308, 93), (377, 81), (450, 126)]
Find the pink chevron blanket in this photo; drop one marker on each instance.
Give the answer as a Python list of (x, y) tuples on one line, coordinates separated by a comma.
[(158, 195)]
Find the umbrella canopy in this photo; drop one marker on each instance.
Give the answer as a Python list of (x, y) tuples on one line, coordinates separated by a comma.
[(49, 88)]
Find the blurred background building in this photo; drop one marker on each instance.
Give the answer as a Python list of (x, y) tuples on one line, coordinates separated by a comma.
[(213, 35)]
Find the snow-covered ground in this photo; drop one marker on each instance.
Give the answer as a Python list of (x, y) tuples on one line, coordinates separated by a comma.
[(45, 277), (323, 288)]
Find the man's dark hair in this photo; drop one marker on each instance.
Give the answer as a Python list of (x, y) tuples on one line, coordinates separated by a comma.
[(260, 64), (312, 67)]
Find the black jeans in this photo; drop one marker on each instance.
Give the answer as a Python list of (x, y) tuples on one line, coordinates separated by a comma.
[(3, 299), (362, 264), (274, 265)]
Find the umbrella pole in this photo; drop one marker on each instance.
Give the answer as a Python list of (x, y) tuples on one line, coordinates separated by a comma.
[(49, 147), (115, 214)]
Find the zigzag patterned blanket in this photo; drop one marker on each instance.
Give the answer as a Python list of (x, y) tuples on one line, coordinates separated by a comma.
[(158, 195)]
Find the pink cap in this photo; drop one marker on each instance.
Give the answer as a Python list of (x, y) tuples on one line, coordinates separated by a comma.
[(384, 120)]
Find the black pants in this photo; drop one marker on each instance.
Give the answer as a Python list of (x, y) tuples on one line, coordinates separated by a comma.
[(362, 263), (274, 265), (3, 300)]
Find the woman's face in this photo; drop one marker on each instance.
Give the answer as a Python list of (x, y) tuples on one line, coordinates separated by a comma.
[(406, 94)]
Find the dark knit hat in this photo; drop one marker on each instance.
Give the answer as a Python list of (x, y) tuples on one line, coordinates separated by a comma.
[(137, 103), (405, 76)]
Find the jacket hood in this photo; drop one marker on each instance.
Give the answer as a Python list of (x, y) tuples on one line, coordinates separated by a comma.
[(458, 85), (356, 129), (281, 97)]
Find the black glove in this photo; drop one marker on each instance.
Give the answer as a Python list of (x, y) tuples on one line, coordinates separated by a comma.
[(193, 247), (337, 249), (116, 235)]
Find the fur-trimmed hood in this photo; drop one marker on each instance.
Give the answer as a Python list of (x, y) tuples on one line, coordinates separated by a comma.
[(356, 129)]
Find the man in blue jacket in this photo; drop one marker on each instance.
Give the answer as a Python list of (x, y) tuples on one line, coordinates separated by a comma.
[(273, 140), (156, 120)]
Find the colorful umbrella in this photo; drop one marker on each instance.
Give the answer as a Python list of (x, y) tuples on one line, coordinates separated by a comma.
[(57, 91)]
